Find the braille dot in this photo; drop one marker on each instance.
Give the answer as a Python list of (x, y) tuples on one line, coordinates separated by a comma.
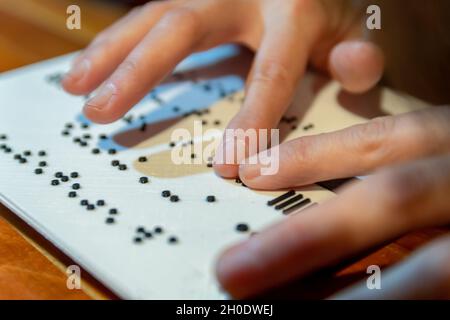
[(165, 193), (42, 153), (143, 180), (17, 156), (38, 171), (27, 153), (112, 151), (76, 186), (83, 143), (158, 230), (58, 174), (84, 202), (192, 155), (242, 227), (174, 198), (65, 133), (176, 109), (3, 137), (110, 220), (140, 229), (217, 122), (86, 136), (72, 194), (69, 125), (74, 174), (103, 137), (209, 165), (90, 207), (148, 235), (142, 159), (23, 160), (172, 240), (113, 211), (95, 151), (55, 182), (64, 178), (100, 203), (76, 140), (84, 126), (9, 150), (122, 167), (137, 239), (115, 163), (204, 122), (42, 164), (211, 198), (172, 144)]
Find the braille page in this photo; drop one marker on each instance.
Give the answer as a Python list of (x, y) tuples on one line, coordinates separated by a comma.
[(110, 197)]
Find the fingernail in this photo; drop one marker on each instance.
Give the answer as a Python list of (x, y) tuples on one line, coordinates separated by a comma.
[(102, 98), (79, 70)]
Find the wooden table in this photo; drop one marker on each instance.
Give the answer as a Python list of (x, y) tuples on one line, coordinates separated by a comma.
[(30, 266)]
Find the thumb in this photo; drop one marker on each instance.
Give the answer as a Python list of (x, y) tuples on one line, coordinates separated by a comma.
[(358, 65)]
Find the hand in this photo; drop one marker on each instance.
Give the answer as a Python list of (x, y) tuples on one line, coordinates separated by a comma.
[(135, 54), (410, 195)]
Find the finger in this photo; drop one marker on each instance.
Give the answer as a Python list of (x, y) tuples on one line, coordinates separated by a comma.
[(111, 47), (357, 65), (426, 275), (355, 150), (279, 64), (381, 207)]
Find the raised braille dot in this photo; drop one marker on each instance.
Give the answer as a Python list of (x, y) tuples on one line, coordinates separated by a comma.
[(55, 182), (74, 175), (77, 140), (76, 186), (69, 125), (64, 178), (42, 153), (95, 151), (27, 153), (23, 160), (209, 165), (90, 207), (58, 174), (112, 151), (211, 198), (192, 155), (110, 220), (217, 122), (148, 235), (140, 229), (174, 198), (84, 202), (84, 126), (38, 171), (172, 240), (172, 144), (42, 163), (115, 163), (137, 239), (83, 144), (100, 203), (143, 180), (103, 137), (72, 194), (158, 230), (242, 227), (65, 133), (204, 122), (176, 109), (87, 136), (122, 167), (9, 150), (142, 159), (165, 193), (113, 211), (3, 137), (17, 156)]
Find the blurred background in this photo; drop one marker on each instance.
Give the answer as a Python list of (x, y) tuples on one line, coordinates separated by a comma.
[(33, 30)]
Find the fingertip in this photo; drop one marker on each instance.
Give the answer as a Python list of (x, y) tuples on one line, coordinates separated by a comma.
[(357, 65), (226, 170), (75, 81)]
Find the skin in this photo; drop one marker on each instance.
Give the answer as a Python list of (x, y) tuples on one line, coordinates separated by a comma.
[(412, 150)]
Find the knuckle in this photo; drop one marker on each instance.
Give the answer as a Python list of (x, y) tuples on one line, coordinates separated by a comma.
[(371, 139), (272, 73), (185, 18)]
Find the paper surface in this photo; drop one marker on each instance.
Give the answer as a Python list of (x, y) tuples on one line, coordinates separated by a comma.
[(34, 114)]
